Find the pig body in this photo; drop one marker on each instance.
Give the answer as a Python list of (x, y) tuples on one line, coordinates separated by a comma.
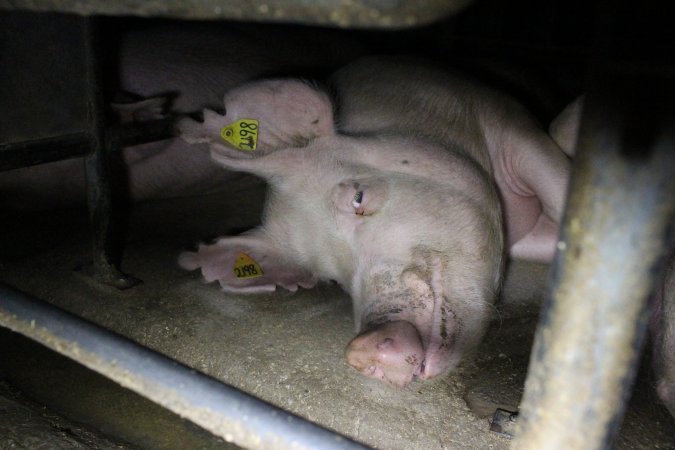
[(398, 203), (529, 169)]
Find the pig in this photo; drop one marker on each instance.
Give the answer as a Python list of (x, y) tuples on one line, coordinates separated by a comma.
[(178, 68), (392, 187)]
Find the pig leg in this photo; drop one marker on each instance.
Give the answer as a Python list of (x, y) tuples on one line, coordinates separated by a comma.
[(663, 328), (532, 174), (564, 129)]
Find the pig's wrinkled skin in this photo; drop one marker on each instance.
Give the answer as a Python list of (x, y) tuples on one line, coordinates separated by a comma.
[(191, 66), (397, 202)]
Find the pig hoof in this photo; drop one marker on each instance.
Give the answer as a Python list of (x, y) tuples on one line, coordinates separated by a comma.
[(391, 352)]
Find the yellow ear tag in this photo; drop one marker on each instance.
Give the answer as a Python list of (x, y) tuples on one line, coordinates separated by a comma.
[(242, 134), (246, 267)]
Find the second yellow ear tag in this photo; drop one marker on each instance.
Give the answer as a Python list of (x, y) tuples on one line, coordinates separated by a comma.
[(243, 134), (246, 267)]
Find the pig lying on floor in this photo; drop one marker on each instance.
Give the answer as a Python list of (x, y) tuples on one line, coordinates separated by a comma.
[(397, 203), (392, 189)]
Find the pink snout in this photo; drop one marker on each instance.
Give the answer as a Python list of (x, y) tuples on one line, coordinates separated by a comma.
[(392, 352)]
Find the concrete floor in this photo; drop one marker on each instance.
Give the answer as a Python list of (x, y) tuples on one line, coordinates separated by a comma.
[(285, 348)]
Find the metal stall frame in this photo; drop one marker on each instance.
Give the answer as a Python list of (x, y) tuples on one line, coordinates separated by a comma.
[(613, 242), (90, 137), (615, 237), (355, 13), (215, 406)]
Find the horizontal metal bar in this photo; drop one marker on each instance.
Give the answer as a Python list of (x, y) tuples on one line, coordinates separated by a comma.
[(355, 13), (39, 151), (221, 409), (137, 133)]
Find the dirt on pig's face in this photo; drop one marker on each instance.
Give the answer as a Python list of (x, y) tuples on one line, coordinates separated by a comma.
[(411, 323)]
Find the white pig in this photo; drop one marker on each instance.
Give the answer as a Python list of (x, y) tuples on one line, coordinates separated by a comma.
[(396, 198)]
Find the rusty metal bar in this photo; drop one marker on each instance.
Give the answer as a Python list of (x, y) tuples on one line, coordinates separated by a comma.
[(106, 253), (40, 151), (221, 409), (621, 202), (354, 13)]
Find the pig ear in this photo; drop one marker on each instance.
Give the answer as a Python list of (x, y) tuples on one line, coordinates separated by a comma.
[(246, 264), (268, 115)]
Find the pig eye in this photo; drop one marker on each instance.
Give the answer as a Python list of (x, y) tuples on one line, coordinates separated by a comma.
[(358, 198)]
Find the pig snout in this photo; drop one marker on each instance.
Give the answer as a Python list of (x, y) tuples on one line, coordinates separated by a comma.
[(391, 352), (395, 352)]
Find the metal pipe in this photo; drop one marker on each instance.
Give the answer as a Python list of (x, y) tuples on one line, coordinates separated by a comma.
[(221, 409), (30, 153), (106, 253), (613, 240), (41, 151), (355, 13)]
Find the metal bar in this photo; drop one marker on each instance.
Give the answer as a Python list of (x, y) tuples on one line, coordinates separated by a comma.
[(221, 409), (41, 151), (613, 240), (105, 253), (137, 133), (354, 13)]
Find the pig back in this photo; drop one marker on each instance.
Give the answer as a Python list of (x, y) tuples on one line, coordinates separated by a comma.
[(405, 95)]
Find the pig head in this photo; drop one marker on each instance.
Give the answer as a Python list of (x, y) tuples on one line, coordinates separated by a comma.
[(409, 227)]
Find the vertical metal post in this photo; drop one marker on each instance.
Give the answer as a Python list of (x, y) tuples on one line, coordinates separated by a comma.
[(620, 208), (99, 193)]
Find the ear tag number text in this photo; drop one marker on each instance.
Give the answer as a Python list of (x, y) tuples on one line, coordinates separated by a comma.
[(246, 267), (242, 134)]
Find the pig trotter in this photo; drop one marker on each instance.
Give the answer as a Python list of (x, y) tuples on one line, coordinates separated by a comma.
[(391, 352)]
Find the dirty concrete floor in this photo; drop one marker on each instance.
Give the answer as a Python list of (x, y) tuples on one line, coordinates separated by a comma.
[(284, 348)]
